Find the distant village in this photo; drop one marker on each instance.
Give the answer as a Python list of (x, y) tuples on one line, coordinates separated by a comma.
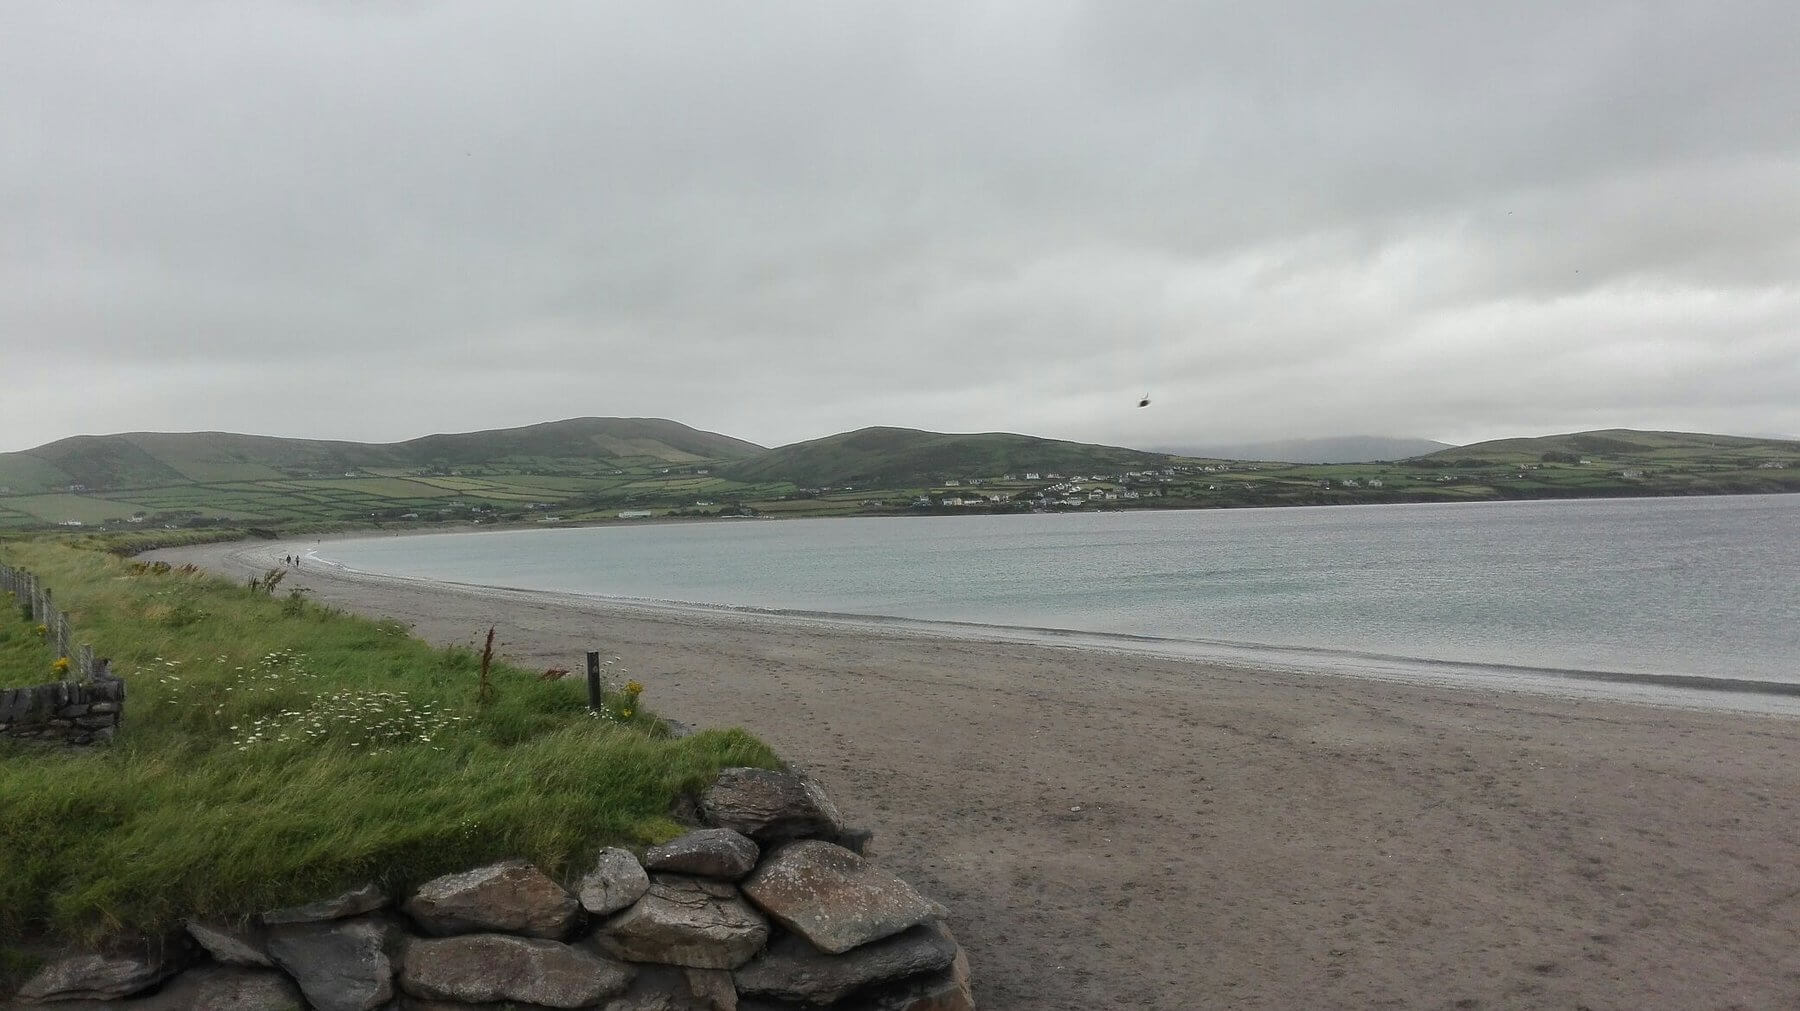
[(1068, 491)]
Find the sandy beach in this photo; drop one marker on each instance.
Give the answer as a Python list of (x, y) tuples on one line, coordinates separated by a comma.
[(1115, 831)]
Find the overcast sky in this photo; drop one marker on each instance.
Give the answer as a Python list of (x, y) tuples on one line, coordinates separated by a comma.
[(373, 221)]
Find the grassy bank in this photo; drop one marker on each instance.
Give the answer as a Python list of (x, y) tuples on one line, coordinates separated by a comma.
[(26, 657), (274, 750)]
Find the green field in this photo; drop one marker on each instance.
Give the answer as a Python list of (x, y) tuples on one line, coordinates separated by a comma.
[(275, 751), (84, 509)]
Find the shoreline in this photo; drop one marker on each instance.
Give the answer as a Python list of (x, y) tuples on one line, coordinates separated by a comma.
[(1686, 691), (1120, 830)]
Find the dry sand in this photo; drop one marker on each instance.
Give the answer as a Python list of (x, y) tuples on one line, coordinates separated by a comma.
[(1119, 832)]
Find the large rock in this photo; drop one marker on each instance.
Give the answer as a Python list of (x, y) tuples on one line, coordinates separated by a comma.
[(341, 965), (231, 945), (498, 967), (769, 806), (98, 976), (707, 853), (792, 969), (511, 896), (354, 902), (225, 988), (948, 990), (616, 881), (207, 988), (834, 898), (688, 922)]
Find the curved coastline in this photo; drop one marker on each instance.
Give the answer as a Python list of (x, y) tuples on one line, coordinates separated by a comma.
[(1095, 817), (1683, 690)]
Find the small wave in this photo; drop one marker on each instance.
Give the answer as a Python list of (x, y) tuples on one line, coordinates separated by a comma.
[(1686, 690)]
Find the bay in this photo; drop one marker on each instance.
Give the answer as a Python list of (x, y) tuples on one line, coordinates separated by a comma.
[(1627, 589)]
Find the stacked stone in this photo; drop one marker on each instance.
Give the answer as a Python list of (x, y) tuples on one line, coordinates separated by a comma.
[(66, 712), (763, 908)]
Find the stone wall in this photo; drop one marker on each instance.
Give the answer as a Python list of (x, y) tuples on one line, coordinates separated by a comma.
[(86, 709), (64, 712), (768, 904)]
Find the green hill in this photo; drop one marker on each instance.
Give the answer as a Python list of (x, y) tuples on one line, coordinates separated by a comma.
[(589, 470), (101, 463), (1624, 445), (580, 441), (901, 457)]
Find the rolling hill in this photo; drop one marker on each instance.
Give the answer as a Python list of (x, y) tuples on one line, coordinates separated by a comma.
[(580, 440), (603, 469), (901, 457), (1624, 445), (158, 459)]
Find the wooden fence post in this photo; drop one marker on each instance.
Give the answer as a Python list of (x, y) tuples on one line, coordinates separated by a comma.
[(64, 637), (593, 673)]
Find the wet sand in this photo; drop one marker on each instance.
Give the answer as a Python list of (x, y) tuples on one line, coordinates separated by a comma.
[(1115, 831)]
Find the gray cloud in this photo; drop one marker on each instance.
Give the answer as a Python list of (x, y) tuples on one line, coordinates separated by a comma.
[(781, 221)]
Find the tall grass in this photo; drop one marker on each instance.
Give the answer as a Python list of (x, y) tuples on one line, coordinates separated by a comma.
[(25, 653), (274, 750)]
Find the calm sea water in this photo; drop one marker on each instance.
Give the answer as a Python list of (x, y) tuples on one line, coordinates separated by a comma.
[(1691, 588)]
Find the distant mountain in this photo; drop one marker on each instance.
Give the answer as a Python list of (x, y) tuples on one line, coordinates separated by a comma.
[(904, 457), (1337, 449), (1618, 444), (151, 459)]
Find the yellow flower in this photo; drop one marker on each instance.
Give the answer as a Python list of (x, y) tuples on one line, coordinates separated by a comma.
[(634, 688), (60, 665)]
